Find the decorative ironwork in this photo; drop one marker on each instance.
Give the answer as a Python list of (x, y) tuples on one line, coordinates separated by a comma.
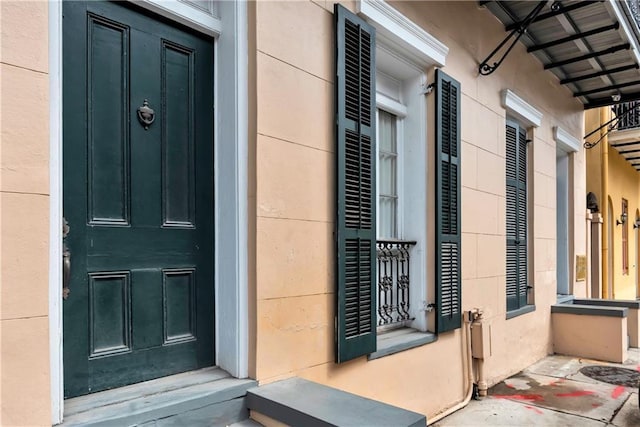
[(485, 69), (632, 119), (393, 281), (622, 111)]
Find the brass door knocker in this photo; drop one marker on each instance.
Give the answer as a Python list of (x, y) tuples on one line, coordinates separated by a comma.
[(146, 115)]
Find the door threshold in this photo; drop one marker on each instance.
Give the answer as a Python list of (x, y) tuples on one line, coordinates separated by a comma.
[(180, 395)]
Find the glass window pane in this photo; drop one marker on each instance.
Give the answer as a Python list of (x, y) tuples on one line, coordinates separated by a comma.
[(387, 175), (387, 217), (387, 132), (387, 178)]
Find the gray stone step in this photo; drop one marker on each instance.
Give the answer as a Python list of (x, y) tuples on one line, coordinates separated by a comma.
[(246, 423), (298, 402), (199, 398)]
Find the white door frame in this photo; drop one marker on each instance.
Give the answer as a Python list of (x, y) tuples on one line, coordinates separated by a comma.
[(230, 168), (563, 235)]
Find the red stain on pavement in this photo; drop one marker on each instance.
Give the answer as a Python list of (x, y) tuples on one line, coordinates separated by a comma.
[(596, 405), (617, 391), (577, 393), (509, 385), (534, 397), (536, 410), (638, 368)]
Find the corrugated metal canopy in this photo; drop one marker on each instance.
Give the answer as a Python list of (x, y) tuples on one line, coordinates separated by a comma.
[(630, 151), (591, 46)]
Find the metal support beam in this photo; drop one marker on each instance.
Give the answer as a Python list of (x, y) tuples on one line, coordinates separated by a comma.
[(610, 125), (562, 10), (613, 49), (573, 37), (606, 100), (630, 151), (633, 158), (599, 73), (625, 144), (486, 67), (606, 88)]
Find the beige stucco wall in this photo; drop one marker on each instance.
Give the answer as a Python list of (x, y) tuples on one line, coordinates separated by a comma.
[(622, 181), (594, 337), (295, 152), (24, 214), (292, 266)]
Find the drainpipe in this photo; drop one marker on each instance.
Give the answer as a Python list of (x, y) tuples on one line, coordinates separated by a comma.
[(469, 318), (604, 202)]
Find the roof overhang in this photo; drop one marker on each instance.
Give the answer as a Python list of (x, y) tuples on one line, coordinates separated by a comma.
[(591, 46), (627, 143)]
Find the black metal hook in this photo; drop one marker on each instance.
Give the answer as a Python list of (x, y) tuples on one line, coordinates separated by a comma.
[(485, 69)]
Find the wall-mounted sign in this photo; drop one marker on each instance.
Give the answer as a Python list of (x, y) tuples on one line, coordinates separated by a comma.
[(581, 268)]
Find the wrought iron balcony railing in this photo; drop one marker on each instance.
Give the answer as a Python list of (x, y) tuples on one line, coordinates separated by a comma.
[(393, 282), (629, 115)]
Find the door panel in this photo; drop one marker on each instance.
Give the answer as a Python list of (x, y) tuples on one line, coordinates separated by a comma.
[(177, 139), (108, 137), (139, 201)]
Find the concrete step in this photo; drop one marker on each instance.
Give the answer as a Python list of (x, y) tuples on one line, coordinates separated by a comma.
[(199, 398), (246, 423), (298, 402)]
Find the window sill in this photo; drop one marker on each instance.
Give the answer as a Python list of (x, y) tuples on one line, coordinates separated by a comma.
[(520, 311), (399, 340)]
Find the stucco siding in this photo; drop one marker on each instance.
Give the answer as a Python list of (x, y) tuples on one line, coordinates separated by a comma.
[(296, 209), (24, 205)]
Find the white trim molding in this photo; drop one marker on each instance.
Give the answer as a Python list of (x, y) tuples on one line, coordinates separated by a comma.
[(628, 26), (566, 142), (231, 211), (521, 109), (399, 31), (186, 13), (55, 211), (391, 105)]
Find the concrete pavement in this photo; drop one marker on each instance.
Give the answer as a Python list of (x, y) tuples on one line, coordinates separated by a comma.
[(553, 392)]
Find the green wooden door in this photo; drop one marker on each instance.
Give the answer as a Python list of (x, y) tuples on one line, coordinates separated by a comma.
[(139, 201)]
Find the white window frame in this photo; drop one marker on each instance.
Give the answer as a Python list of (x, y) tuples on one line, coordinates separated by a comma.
[(401, 94), (400, 112)]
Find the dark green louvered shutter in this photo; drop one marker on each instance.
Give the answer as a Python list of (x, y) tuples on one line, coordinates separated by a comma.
[(516, 166), (448, 247), (356, 202)]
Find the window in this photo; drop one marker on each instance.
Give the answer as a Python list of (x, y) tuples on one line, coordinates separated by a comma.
[(387, 175), (400, 185), (625, 237), (517, 216), (394, 278), (402, 241), (381, 189)]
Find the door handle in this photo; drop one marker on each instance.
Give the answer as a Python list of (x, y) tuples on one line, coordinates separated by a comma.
[(66, 261)]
